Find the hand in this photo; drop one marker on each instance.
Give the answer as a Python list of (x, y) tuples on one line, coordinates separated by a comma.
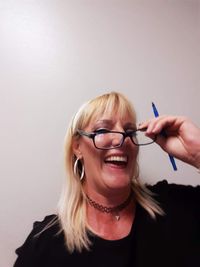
[(181, 137)]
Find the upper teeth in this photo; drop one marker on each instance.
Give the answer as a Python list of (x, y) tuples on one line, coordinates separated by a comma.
[(116, 158)]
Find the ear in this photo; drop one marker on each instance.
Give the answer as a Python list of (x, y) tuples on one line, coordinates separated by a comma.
[(76, 148)]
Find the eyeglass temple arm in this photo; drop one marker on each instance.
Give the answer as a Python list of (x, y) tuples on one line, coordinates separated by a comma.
[(141, 129), (90, 135)]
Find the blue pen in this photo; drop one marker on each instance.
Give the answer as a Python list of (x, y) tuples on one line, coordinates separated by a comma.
[(172, 160)]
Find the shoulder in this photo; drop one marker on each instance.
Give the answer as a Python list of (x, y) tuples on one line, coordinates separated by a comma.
[(44, 234), (176, 195), (45, 228), (50, 222), (171, 188)]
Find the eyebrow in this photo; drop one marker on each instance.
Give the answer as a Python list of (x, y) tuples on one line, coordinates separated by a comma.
[(104, 121), (131, 125), (107, 121)]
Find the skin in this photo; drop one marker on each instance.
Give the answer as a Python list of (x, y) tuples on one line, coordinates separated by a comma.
[(107, 183), (110, 185), (182, 138)]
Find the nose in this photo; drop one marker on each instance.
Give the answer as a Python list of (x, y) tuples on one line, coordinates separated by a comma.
[(120, 140), (117, 140), (127, 140)]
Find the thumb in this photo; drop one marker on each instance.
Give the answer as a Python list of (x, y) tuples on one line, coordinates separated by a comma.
[(161, 141)]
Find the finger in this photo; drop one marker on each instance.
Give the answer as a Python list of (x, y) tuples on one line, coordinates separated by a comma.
[(167, 124), (150, 125), (146, 124)]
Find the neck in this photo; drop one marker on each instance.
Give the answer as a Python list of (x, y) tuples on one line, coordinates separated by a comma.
[(107, 226), (114, 210), (107, 197)]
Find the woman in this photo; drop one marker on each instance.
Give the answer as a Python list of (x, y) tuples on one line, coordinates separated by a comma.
[(106, 217)]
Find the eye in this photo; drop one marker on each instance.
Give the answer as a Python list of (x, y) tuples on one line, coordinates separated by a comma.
[(131, 132), (101, 130)]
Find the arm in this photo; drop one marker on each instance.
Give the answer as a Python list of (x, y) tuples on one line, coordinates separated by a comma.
[(181, 139)]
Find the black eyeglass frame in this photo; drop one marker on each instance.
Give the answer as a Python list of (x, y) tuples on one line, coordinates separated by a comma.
[(124, 134)]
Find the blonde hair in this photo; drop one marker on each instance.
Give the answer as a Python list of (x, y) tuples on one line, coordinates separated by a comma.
[(72, 204)]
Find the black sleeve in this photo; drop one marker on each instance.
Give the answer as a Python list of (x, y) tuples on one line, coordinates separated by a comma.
[(185, 194), (180, 202), (29, 254)]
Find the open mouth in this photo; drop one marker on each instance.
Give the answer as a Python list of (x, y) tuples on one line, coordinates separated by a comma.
[(117, 160)]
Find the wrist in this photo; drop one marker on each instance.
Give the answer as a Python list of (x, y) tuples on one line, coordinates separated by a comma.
[(196, 160), (197, 165)]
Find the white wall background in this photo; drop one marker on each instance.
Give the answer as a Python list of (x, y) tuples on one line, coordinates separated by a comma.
[(55, 55)]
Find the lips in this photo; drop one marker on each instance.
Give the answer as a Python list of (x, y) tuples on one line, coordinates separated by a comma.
[(116, 159)]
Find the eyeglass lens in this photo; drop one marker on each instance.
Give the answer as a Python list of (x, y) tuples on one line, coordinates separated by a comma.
[(111, 140), (108, 140)]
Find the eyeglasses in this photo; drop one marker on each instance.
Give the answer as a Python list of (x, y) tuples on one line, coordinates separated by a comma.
[(105, 139)]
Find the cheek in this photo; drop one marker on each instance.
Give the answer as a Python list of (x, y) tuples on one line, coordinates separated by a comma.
[(133, 158), (93, 168), (134, 152), (91, 157)]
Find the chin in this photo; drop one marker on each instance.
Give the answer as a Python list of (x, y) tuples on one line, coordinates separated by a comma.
[(118, 182)]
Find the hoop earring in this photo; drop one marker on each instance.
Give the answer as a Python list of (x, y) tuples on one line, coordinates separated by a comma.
[(136, 173), (137, 170), (76, 170)]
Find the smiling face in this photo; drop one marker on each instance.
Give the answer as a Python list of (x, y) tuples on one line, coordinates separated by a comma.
[(111, 169)]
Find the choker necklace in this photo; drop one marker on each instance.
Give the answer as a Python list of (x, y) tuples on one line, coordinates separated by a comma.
[(115, 210)]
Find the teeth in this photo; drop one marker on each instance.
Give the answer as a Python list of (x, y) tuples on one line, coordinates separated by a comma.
[(117, 158)]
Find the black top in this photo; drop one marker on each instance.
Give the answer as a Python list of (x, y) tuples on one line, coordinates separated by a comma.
[(172, 240)]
